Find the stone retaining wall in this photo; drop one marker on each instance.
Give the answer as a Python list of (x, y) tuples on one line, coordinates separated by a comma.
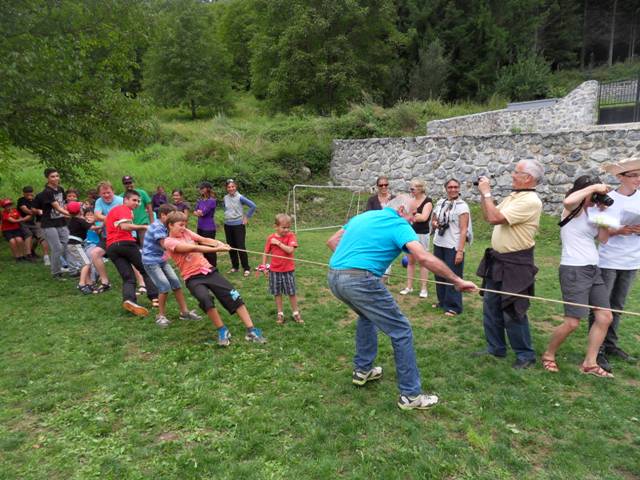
[(576, 110), (435, 158)]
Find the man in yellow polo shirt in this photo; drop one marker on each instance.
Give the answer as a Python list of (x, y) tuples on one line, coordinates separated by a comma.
[(509, 265)]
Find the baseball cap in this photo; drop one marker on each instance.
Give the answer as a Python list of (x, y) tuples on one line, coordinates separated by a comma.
[(127, 179), (74, 207), (5, 202)]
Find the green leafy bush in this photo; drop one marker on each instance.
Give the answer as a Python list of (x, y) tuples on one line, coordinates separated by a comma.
[(527, 79)]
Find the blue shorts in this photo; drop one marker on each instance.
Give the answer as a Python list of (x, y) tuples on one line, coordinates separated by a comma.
[(162, 276)]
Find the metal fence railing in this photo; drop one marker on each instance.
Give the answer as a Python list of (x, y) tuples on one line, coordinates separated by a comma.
[(619, 101)]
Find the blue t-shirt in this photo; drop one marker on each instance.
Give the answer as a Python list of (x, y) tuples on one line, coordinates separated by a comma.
[(104, 208), (152, 252), (372, 240), (92, 238)]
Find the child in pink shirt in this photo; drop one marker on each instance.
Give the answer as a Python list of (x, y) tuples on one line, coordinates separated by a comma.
[(186, 248)]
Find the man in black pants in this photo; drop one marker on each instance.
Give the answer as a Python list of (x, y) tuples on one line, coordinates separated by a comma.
[(124, 252)]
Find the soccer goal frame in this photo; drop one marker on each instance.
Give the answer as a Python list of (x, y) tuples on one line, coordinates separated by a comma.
[(292, 202)]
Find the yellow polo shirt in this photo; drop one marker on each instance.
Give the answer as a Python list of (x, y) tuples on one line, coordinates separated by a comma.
[(522, 211)]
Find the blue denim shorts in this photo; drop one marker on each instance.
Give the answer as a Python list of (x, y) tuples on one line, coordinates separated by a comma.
[(163, 276)]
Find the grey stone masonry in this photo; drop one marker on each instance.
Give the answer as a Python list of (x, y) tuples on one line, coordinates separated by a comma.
[(576, 110), (436, 158)]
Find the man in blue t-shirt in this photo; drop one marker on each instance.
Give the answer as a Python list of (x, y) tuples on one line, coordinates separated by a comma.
[(363, 249)]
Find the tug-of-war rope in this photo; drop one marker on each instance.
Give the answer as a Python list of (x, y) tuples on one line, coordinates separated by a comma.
[(479, 289)]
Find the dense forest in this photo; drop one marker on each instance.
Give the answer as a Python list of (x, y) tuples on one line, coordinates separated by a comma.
[(81, 74)]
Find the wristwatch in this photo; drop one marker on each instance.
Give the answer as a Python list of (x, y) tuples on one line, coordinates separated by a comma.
[(487, 195)]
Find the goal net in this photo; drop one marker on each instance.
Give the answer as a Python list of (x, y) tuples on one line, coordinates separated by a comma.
[(321, 207)]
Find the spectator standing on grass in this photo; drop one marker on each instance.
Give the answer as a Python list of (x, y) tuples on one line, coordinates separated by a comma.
[(180, 203), (27, 208), (54, 224), (123, 251), (186, 248), (159, 198), (619, 258), (143, 214), (12, 230), (363, 249), (160, 272), (451, 223), (580, 278), (509, 264), (280, 247), (205, 210), (235, 225), (421, 209)]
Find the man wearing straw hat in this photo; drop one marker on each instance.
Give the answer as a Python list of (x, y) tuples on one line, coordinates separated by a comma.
[(620, 256), (363, 249)]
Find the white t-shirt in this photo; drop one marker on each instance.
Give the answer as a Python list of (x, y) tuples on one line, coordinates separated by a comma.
[(621, 252), (578, 242), (444, 211)]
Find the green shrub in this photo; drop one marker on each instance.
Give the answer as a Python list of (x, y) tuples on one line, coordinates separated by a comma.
[(527, 79)]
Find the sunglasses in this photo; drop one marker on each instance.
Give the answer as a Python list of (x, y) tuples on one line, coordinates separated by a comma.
[(128, 183), (383, 184)]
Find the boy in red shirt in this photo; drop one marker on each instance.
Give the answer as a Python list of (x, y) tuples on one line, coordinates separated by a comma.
[(186, 249), (282, 280), (123, 251), (12, 230)]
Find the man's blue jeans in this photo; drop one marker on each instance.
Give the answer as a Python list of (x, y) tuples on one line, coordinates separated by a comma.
[(496, 322), (366, 295)]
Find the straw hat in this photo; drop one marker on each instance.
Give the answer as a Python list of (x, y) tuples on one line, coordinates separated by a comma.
[(622, 166)]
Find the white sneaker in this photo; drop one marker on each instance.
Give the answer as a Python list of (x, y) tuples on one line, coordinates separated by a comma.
[(360, 378), (162, 321), (419, 402), (46, 260), (424, 294), (405, 291)]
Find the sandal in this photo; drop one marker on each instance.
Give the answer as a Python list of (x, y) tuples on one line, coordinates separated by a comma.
[(297, 318), (142, 290), (596, 370), (246, 273), (280, 320), (155, 303), (550, 365), (233, 270)]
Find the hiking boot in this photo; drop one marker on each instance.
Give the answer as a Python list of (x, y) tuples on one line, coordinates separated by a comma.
[(137, 310), (224, 337), (359, 378), (162, 321), (190, 315), (419, 402), (255, 335)]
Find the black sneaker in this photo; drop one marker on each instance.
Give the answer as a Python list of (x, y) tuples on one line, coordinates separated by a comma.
[(618, 352), (521, 364), (360, 378), (603, 361)]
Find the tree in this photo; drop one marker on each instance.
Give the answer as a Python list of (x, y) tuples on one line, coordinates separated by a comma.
[(187, 64), (429, 77), (237, 25), (322, 54), (64, 64)]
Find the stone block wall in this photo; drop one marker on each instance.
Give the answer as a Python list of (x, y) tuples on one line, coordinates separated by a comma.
[(576, 110), (435, 158)]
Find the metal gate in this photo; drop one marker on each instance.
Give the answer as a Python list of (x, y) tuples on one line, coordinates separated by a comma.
[(619, 102)]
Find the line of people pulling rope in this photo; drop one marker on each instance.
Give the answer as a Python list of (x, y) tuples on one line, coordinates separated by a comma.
[(367, 245)]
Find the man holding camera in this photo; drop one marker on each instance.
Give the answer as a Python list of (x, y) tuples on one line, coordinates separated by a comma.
[(619, 258), (509, 264)]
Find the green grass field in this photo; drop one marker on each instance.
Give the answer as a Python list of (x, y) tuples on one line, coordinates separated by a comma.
[(88, 391)]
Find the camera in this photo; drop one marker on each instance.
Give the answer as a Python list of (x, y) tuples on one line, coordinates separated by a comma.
[(475, 182), (602, 199), (442, 228)]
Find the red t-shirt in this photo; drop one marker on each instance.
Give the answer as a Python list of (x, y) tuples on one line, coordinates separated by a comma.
[(6, 224), (281, 264), (189, 264), (115, 217)]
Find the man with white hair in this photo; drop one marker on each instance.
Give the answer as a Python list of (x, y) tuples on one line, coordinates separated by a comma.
[(363, 249), (509, 265)]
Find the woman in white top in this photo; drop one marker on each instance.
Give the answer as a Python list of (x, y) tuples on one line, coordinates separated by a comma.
[(580, 278), (450, 223)]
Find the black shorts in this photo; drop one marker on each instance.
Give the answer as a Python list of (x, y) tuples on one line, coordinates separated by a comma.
[(11, 234), (201, 286)]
